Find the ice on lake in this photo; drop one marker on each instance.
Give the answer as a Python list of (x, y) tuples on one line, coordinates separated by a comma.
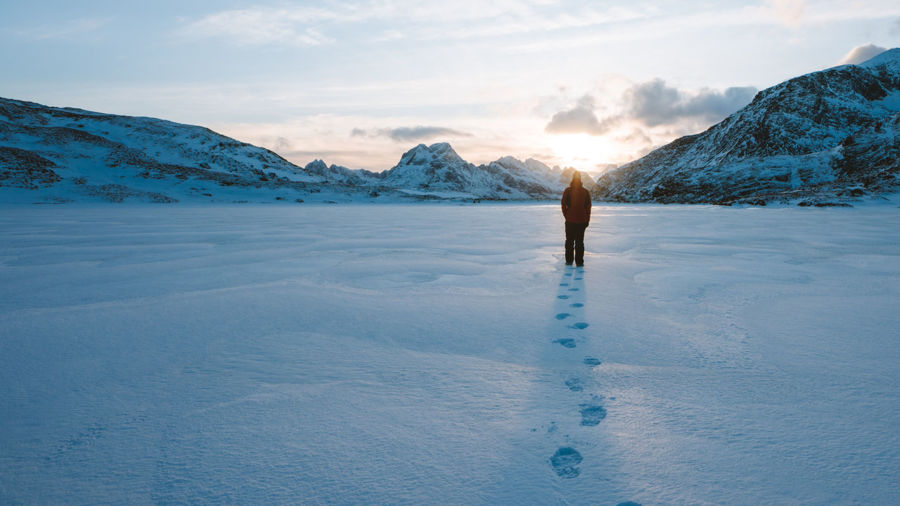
[(412, 354)]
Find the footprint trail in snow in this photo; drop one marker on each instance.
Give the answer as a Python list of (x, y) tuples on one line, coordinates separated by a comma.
[(565, 462)]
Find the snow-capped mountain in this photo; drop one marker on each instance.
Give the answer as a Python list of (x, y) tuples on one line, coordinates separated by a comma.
[(70, 154), (50, 154), (341, 175), (438, 170), (818, 138)]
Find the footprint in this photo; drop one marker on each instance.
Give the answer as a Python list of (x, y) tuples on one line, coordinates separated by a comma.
[(591, 361), (568, 274), (629, 503), (591, 414), (573, 289), (562, 316), (563, 284), (574, 384), (564, 462), (578, 279), (579, 326), (566, 342), (577, 304)]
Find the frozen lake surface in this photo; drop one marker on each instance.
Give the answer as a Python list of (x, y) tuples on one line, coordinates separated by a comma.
[(444, 354)]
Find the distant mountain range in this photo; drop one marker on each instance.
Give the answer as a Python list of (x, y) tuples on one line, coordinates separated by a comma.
[(51, 154), (824, 138), (821, 138)]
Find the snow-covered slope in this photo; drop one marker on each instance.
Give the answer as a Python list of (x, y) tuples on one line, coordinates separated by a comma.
[(71, 154), (50, 154), (820, 137)]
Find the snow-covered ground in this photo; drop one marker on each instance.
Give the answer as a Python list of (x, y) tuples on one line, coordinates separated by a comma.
[(443, 354)]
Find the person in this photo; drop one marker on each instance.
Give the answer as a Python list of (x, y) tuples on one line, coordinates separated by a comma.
[(576, 207)]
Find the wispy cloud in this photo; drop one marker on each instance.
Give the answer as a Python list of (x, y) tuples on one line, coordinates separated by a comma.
[(689, 18), (789, 12), (527, 19), (409, 134), (307, 25), (70, 29), (261, 26)]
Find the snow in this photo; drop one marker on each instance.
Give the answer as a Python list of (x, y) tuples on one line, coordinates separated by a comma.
[(443, 354), (54, 155), (888, 60), (789, 143)]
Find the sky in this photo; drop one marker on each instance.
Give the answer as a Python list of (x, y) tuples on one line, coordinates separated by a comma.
[(359, 82)]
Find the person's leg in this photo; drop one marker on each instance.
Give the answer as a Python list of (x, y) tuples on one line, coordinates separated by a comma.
[(579, 244), (570, 243)]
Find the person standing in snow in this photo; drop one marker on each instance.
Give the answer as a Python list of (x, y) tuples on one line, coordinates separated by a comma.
[(576, 207)]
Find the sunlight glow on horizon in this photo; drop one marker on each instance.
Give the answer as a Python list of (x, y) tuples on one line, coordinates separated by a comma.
[(582, 151)]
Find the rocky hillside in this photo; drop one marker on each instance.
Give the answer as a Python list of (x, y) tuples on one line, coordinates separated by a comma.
[(70, 154), (821, 138)]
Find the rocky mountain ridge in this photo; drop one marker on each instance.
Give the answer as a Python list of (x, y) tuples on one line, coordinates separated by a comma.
[(822, 138), (825, 138), (50, 154)]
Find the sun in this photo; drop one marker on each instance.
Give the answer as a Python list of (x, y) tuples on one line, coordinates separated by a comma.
[(582, 151)]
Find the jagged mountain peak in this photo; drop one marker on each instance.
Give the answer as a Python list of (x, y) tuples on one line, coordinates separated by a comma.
[(316, 165), (441, 148), (533, 164), (422, 154), (438, 169), (52, 154)]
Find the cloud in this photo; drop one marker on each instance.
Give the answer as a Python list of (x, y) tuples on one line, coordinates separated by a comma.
[(580, 119), (655, 103), (408, 134), (391, 20), (281, 144), (652, 103), (637, 136), (389, 35), (67, 30), (789, 12), (860, 54), (262, 26)]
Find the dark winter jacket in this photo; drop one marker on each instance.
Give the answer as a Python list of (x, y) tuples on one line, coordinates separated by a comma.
[(576, 203)]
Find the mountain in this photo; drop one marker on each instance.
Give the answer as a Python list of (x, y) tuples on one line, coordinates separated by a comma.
[(820, 138), (51, 154), (437, 170), (341, 175), (71, 154)]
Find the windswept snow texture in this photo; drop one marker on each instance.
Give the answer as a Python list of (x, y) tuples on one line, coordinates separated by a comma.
[(409, 354)]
